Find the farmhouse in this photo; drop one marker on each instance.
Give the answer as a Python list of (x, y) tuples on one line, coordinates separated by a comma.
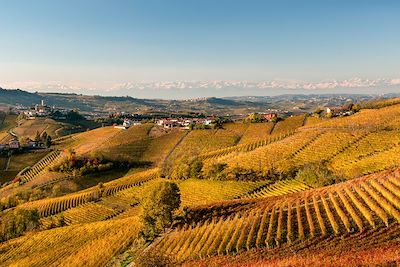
[(127, 123), (34, 144), (345, 110), (270, 116), (14, 144)]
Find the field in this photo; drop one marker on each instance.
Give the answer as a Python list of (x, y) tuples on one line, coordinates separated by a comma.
[(85, 143), (29, 128), (243, 199)]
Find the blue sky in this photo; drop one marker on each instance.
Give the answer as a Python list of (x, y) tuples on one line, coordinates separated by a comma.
[(105, 42)]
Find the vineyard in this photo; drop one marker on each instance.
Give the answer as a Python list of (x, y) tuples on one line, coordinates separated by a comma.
[(90, 244), (202, 141), (29, 128), (288, 125), (249, 196), (211, 191), (89, 141), (350, 153), (362, 119), (256, 131), (52, 206), (277, 189), (272, 155), (348, 209), (41, 166), (246, 147), (127, 145)]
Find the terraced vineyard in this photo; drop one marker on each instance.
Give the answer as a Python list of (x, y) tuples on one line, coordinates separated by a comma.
[(41, 166), (348, 152), (275, 154), (246, 208), (371, 202), (372, 153), (52, 206), (277, 189), (199, 142), (89, 141), (85, 213), (90, 244), (319, 150), (256, 132), (127, 145), (246, 147), (160, 146), (289, 124), (362, 119), (199, 192)]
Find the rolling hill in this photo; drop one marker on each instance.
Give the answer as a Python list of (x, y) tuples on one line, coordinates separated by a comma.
[(304, 191)]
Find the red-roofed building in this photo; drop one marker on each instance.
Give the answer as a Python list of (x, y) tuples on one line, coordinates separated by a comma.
[(270, 116)]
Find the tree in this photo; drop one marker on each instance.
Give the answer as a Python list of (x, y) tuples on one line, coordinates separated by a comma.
[(195, 168), (15, 223), (356, 107), (318, 111), (317, 175), (158, 208), (74, 115), (47, 141), (254, 118)]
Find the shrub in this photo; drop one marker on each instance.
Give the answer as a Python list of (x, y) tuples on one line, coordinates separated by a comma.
[(316, 175), (15, 223), (215, 171)]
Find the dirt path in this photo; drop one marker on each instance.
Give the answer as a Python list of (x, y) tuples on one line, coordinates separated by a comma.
[(173, 149), (272, 128), (7, 164)]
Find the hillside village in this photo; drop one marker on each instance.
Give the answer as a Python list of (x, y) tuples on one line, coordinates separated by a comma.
[(42, 110)]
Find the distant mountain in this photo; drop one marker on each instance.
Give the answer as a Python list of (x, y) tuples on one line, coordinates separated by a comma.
[(209, 105), (12, 97), (220, 88)]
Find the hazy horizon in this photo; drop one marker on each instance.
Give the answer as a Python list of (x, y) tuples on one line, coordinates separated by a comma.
[(201, 89)]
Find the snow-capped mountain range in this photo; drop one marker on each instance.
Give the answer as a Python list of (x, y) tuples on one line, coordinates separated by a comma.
[(190, 89)]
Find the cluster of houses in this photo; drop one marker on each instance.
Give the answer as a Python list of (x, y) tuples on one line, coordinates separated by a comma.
[(15, 144), (185, 123), (127, 123), (169, 123), (42, 110), (270, 116), (345, 110)]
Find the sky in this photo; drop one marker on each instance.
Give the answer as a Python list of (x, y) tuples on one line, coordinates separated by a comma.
[(98, 46)]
